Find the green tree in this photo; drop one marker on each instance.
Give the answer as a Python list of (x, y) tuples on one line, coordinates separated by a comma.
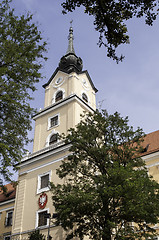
[(106, 184), (110, 18), (22, 52), (36, 235)]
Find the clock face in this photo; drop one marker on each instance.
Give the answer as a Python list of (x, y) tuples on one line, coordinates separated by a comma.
[(59, 80), (85, 84)]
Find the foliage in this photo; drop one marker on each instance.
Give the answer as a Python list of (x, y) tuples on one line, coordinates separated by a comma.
[(36, 235), (110, 18), (21, 56), (106, 184)]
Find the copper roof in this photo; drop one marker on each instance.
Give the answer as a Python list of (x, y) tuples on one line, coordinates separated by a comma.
[(151, 143), (9, 194)]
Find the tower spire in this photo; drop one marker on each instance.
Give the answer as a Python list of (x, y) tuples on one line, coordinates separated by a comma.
[(70, 40), (70, 62)]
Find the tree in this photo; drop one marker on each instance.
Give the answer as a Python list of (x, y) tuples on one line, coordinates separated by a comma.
[(106, 184), (36, 235), (110, 19), (21, 56)]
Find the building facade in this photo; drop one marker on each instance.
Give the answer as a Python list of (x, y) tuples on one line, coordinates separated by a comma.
[(7, 202), (68, 93)]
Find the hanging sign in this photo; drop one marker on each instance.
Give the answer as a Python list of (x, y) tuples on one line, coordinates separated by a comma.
[(42, 200)]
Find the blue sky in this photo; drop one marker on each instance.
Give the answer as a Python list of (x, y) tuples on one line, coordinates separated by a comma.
[(130, 87)]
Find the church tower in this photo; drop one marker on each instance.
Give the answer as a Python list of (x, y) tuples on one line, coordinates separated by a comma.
[(68, 93)]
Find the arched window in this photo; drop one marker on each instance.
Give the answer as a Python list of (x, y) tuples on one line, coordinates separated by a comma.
[(59, 96), (84, 97), (53, 139)]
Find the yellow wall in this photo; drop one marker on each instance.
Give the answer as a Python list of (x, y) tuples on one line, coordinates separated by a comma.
[(45, 158)]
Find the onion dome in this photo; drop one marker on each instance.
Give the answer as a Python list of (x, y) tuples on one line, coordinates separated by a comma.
[(70, 62)]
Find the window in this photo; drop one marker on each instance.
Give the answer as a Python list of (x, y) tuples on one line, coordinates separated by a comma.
[(53, 139), (43, 182), (8, 221), (59, 96), (42, 220), (53, 121), (7, 237), (84, 97)]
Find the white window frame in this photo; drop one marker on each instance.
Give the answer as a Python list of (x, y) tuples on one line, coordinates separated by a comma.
[(7, 218), (6, 237), (37, 218), (49, 136), (87, 97), (49, 121), (58, 90), (39, 189)]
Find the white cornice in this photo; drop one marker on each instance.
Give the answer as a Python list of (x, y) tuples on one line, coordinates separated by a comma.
[(66, 100), (44, 165), (29, 231), (7, 202), (46, 152), (151, 156)]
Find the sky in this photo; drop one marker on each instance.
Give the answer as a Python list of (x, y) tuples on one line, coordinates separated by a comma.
[(130, 87)]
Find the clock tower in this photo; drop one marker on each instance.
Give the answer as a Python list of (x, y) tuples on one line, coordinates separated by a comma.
[(68, 93)]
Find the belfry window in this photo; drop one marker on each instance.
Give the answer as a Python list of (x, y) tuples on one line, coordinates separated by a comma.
[(59, 96), (84, 97), (53, 139)]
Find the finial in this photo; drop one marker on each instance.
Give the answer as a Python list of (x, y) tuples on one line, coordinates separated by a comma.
[(71, 23), (70, 38)]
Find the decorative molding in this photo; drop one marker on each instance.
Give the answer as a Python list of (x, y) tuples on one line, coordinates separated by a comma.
[(153, 165), (61, 103), (151, 156), (29, 231), (49, 123), (42, 151), (40, 190), (7, 202), (44, 165), (36, 222), (58, 90), (7, 209)]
